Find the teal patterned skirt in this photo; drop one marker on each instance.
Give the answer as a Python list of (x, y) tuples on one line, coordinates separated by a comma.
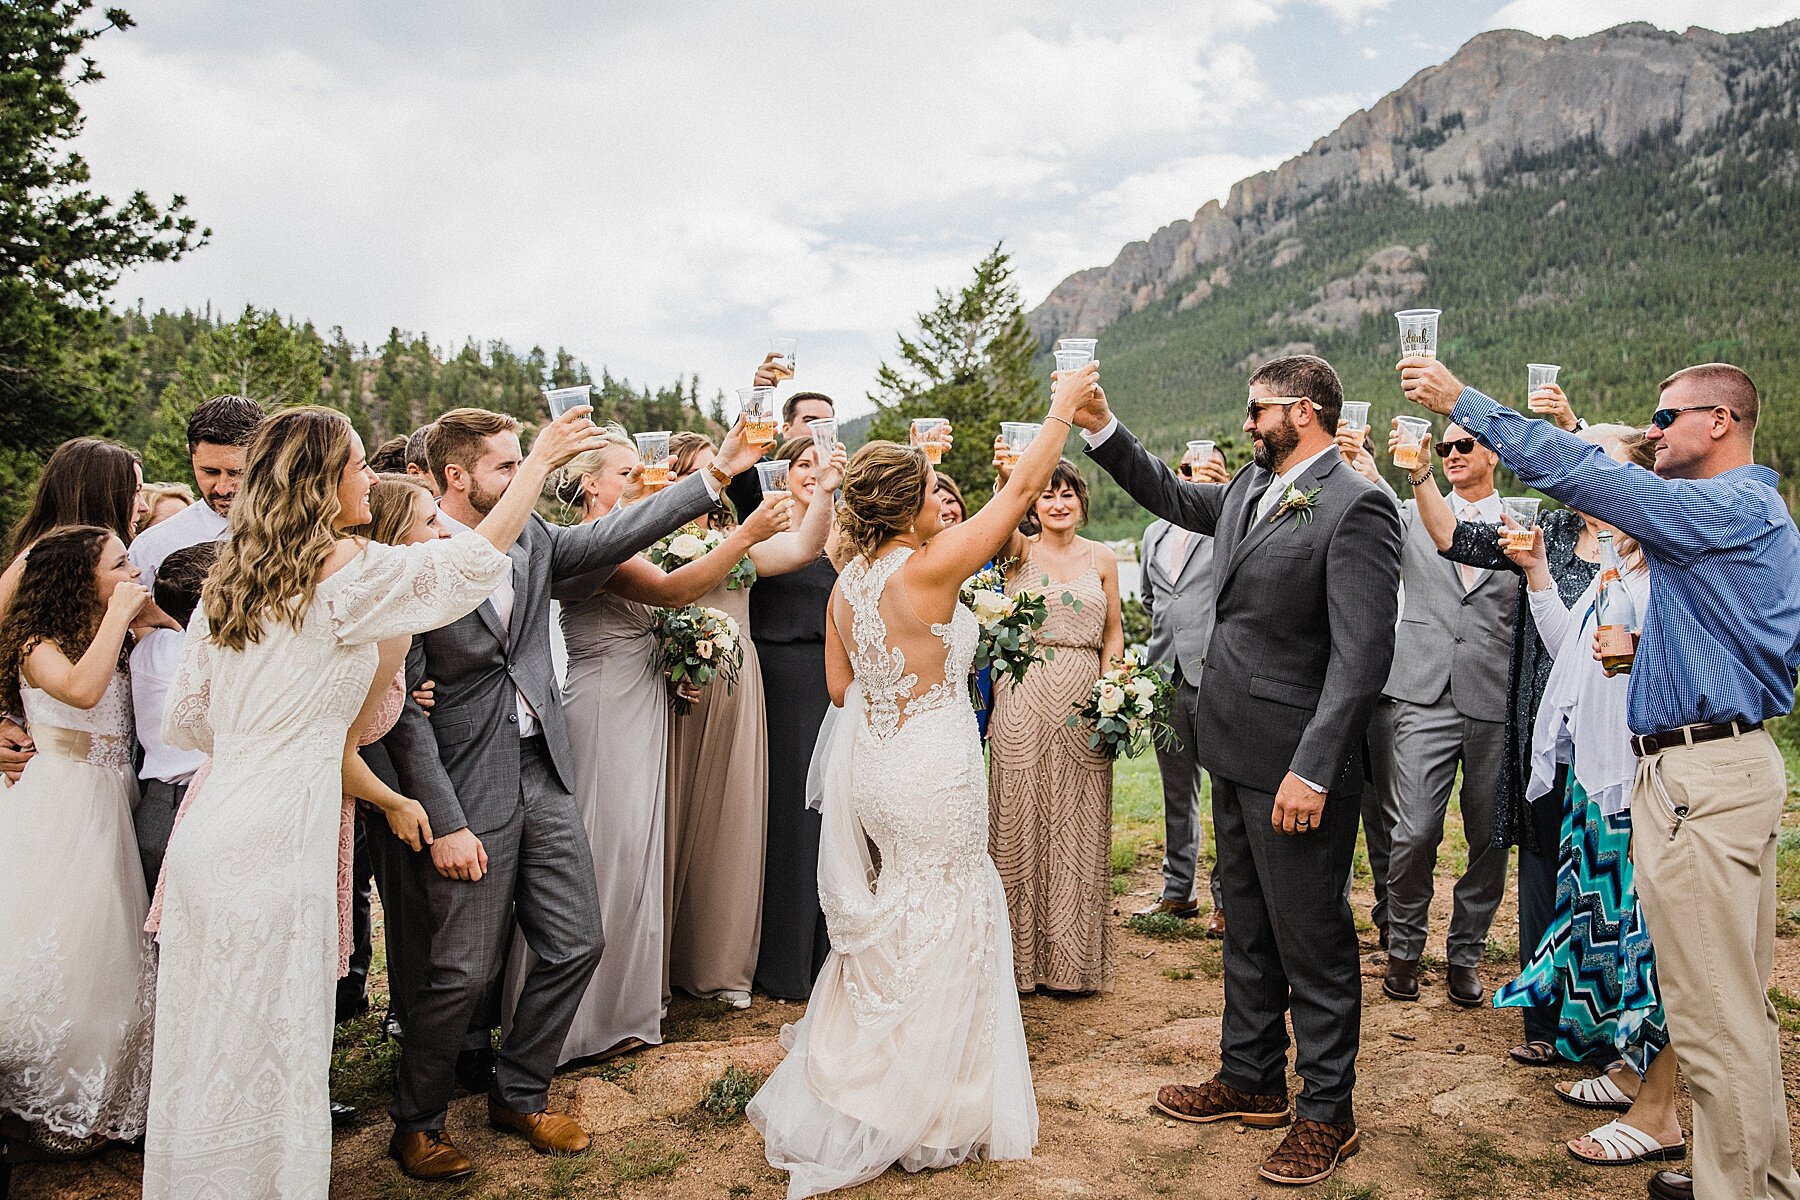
[(1595, 964)]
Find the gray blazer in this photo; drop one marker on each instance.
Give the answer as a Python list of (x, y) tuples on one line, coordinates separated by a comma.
[(452, 763), (1449, 638), (1180, 608), (1303, 615)]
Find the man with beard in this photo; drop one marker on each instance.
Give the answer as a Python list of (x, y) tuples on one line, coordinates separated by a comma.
[(1305, 583), (217, 434)]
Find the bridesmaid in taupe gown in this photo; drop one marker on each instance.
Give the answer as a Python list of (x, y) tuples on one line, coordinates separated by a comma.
[(1050, 797), (718, 777)]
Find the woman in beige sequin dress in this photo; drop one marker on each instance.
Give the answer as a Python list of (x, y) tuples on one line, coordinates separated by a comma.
[(1050, 796)]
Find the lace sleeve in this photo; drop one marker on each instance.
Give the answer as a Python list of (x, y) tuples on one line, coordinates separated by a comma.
[(187, 712), (394, 591), (1477, 544)]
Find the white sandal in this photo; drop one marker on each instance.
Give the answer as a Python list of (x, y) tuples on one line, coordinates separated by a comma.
[(1598, 1092), (1621, 1145)]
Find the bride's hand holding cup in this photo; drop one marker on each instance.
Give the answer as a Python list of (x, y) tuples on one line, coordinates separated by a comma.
[(831, 475), (1078, 399)]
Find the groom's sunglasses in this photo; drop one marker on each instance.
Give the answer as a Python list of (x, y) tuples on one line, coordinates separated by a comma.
[(1253, 410)]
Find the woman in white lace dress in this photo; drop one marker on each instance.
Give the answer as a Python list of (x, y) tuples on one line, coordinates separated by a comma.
[(912, 1051), (76, 969), (278, 661)]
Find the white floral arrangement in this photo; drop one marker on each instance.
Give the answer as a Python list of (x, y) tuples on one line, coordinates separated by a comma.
[(694, 541), (696, 645), (1127, 710), (1007, 644)]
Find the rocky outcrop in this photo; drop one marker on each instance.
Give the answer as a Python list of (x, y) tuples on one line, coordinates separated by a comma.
[(1443, 134)]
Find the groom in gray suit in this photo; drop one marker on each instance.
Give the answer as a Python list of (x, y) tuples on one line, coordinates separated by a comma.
[(1306, 570), (492, 774)]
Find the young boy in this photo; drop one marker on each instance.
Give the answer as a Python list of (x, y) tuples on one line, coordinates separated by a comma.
[(154, 661)]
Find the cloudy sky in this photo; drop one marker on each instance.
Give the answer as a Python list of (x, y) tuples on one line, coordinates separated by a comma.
[(660, 187)]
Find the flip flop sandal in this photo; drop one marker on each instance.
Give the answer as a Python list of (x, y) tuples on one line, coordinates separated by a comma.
[(1623, 1145), (1534, 1054), (1599, 1092)]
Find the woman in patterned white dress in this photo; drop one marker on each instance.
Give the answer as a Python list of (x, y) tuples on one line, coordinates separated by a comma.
[(277, 662), (912, 1051)]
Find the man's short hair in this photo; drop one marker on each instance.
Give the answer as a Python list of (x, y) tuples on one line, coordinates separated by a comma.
[(1309, 376), (224, 421), (390, 456), (180, 578), (793, 402), (460, 436), (1724, 384), (415, 450)]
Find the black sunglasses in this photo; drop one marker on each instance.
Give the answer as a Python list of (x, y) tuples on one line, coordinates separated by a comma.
[(1662, 418), (1460, 445)]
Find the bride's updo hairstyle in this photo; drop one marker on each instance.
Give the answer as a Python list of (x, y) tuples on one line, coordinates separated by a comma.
[(282, 525), (884, 489)]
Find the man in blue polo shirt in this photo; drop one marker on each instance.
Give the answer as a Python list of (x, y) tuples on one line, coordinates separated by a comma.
[(1718, 656)]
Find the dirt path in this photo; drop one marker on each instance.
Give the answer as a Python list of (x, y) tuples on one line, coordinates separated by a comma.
[(1442, 1110)]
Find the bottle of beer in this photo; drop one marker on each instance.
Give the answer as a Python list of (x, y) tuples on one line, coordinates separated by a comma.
[(1616, 613)]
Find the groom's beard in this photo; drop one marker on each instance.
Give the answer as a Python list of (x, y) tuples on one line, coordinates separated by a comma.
[(1277, 444)]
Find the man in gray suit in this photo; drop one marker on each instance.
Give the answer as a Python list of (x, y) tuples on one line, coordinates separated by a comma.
[(1175, 566), (1306, 569), (492, 773), (1444, 706)]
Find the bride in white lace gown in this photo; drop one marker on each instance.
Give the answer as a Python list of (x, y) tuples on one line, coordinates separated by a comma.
[(912, 1051), (238, 1099)]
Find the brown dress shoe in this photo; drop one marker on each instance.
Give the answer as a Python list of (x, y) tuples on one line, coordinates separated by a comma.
[(1215, 1101), (1310, 1152), (429, 1155), (1402, 981), (1215, 924), (1671, 1185), (1464, 986), (547, 1132), (1175, 908)]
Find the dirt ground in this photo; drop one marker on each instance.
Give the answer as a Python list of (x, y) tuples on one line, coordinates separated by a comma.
[(1443, 1112)]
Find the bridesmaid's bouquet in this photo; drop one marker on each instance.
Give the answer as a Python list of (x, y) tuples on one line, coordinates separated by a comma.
[(1007, 645), (696, 645), (692, 541), (1128, 709)]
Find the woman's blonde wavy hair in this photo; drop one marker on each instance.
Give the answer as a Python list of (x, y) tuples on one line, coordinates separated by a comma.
[(565, 484), (281, 525), (884, 488), (392, 502)]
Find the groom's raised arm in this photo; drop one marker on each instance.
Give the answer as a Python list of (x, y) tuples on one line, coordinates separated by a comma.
[(1148, 480), (583, 557)]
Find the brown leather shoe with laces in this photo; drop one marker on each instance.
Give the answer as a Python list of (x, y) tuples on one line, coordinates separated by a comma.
[(1310, 1152), (547, 1132), (1215, 1101), (429, 1155), (1185, 909)]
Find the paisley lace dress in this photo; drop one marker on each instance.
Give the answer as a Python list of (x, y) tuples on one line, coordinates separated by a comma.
[(238, 1101), (912, 1051), (77, 973)]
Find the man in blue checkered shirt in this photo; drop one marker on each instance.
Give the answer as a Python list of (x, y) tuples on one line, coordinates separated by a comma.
[(1718, 656)]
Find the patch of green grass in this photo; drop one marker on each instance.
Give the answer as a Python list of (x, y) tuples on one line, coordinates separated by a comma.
[(399, 1187), (1482, 1166), (688, 1017), (565, 1174), (737, 1190), (1337, 1189), (1178, 974), (1787, 866), (1124, 853), (727, 1096), (1787, 1009), (644, 1158), (615, 1069), (1499, 952), (363, 1062), (1166, 927)]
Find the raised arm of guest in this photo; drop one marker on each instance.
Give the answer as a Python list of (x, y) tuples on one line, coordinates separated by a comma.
[(802, 545), (639, 579)]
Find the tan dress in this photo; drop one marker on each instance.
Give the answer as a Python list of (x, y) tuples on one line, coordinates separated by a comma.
[(717, 817), (1050, 798)]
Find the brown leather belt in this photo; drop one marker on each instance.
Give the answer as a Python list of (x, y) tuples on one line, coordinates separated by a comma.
[(1646, 744)]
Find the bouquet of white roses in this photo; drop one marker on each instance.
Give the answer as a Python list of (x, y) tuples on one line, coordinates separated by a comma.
[(696, 645), (693, 541), (1007, 645), (1128, 709)]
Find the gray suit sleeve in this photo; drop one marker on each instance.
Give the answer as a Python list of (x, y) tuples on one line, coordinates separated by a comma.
[(583, 557), (1362, 583), (1148, 480), (413, 749), (1146, 593)]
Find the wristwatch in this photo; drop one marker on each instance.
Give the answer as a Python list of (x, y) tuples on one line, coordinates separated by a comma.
[(719, 477)]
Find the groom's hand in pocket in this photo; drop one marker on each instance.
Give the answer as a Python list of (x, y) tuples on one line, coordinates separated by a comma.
[(1298, 808), (459, 855)]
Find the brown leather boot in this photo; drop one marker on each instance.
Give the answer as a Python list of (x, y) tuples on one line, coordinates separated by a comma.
[(1464, 986), (547, 1132), (429, 1155), (1402, 982), (1203, 1103)]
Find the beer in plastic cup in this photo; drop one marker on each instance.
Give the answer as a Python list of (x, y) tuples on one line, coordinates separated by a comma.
[(1412, 452), (928, 435), (653, 449), (758, 404)]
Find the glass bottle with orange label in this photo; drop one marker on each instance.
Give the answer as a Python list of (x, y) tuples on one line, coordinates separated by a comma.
[(1615, 612)]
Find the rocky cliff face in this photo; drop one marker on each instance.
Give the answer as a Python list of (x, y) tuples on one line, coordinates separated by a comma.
[(1443, 135)]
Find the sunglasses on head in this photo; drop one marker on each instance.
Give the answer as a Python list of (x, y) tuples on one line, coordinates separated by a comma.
[(1460, 445), (1662, 418), (1254, 408)]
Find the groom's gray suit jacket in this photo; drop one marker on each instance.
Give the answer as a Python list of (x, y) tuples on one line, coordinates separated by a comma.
[(1303, 615)]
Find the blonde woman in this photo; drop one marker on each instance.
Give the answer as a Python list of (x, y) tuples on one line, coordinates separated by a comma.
[(162, 501), (277, 663)]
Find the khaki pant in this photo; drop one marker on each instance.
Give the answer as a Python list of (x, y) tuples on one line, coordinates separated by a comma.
[(1708, 891)]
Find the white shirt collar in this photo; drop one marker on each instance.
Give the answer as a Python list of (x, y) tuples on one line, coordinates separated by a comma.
[(1295, 470), (451, 523), (1487, 508)]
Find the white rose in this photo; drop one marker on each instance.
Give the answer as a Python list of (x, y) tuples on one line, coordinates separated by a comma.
[(686, 546), (1144, 707), (1111, 698), (704, 648), (1142, 687), (992, 606)]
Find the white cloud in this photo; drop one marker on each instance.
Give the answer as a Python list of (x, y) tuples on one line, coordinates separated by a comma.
[(1350, 13), (1548, 17)]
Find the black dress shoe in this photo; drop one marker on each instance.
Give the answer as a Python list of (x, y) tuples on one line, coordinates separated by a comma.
[(393, 1030), (1402, 981), (351, 1004), (1464, 986), (342, 1115), (1671, 1185), (475, 1071)]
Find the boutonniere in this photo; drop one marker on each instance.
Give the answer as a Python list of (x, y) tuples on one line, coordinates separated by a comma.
[(1296, 501)]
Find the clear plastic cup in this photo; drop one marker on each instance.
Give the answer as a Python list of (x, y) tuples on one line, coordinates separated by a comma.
[(1418, 332), (1413, 450), (653, 450), (1016, 437), (561, 400), (1524, 510), (824, 435), (1201, 451), (1355, 415), (758, 405), (1078, 346), (928, 435), (773, 476), (1539, 375), (784, 347), (1070, 360)]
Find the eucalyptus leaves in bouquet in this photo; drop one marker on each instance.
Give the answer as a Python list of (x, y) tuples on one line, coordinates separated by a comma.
[(696, 645), (1007, 645), (694, 541), (1128, 708)]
